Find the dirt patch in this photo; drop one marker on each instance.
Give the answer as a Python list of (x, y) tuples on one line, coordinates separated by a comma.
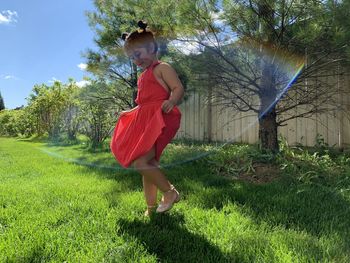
[(261, 173)]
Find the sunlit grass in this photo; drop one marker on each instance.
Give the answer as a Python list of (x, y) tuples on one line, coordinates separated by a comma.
[(66, 203)]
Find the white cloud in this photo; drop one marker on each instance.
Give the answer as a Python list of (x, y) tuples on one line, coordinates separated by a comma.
[(82, 66), (82, 83), (7, 77), (53, 80), (186, 46), (217, 17), (8, 17)]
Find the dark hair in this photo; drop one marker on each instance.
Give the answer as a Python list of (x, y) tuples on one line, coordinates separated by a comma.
[(140, 37)]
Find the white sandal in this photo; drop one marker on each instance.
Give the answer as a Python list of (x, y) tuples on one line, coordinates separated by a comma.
[(163, 207)]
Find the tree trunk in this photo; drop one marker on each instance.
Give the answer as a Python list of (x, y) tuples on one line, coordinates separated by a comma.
[(267, 115), (2, 104), (268, 136)]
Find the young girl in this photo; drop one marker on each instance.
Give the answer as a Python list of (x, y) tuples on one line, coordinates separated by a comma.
[(142, 133)]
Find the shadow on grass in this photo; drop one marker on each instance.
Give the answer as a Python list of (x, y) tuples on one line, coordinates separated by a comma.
[(167, 238), (317, 209)]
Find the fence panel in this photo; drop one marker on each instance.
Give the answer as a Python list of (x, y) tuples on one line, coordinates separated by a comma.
[(210, 122)]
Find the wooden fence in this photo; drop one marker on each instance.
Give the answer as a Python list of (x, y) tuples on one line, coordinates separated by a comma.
[(201, 121)]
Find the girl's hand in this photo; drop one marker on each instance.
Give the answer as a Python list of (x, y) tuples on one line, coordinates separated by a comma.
[(168, 105), (167, 75)]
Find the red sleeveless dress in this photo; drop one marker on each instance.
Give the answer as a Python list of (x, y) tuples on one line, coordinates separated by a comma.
[(138, 130)]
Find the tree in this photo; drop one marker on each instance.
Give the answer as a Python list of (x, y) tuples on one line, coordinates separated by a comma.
[(246, 78), (2, 104), (71, 112), (109, 62), (47, 105), (232, 37), (14, 122), (7, 123), (114, 17), (97, 116)]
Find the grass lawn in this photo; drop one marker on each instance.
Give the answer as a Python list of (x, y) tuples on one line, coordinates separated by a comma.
[(66, 204)]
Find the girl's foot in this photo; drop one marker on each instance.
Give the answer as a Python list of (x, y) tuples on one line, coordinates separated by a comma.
[(169, 199), (150, 210)]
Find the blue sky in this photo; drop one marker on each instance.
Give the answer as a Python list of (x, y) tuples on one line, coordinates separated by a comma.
[(41, 41)]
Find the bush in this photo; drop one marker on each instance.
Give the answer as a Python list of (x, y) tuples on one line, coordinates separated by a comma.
[(15, 123)]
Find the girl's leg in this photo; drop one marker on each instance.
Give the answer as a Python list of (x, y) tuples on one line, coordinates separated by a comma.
[(150, 191), (151, 173), (155, 163)]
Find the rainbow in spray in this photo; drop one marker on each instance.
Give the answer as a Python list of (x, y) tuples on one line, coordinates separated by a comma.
[(283, 66)]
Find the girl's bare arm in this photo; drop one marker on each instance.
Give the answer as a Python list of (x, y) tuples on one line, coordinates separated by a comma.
[(169, 75)]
